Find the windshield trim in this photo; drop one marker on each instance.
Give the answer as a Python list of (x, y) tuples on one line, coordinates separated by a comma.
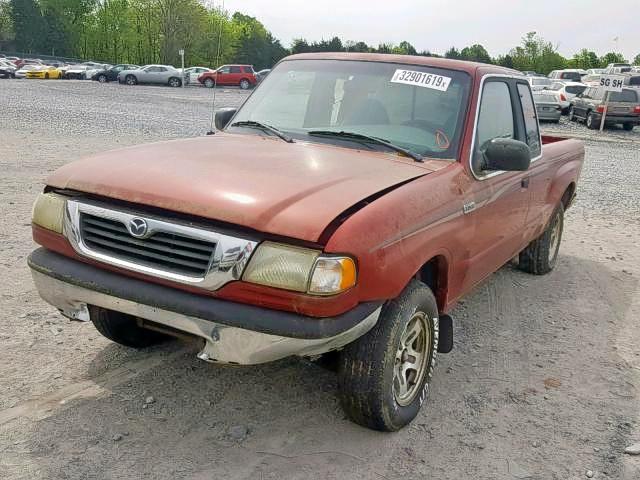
[(464, 110)]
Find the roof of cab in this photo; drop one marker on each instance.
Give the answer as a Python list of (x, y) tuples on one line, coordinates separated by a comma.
[(462, 65)]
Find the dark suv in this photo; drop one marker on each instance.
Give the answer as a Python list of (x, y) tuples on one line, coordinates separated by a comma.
[(624, 108)]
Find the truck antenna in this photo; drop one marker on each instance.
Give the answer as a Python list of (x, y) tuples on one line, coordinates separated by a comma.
[(212, 127)]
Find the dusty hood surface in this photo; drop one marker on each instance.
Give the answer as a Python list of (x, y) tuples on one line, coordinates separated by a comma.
[(259, 182)]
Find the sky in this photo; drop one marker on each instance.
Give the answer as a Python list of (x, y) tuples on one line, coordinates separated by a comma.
[(436, 25)]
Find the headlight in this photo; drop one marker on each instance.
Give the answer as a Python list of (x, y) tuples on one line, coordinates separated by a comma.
[(48, 211), (300, 269)]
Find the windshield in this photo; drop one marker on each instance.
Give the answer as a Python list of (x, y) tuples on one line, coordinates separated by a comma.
[(415, 107)]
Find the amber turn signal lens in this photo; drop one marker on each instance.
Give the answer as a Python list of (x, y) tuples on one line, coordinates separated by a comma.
[(332, 275)]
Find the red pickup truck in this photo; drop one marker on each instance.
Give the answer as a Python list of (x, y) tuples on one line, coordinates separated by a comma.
[(345, 207)]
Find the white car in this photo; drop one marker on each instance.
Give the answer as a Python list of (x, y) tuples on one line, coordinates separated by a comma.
[(22, 72), (191, 74), (596, 71), (539, 83), (77, 72), (565, 91)]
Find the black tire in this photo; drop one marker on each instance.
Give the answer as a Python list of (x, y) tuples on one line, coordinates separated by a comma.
[(541, 255), (46, 76), (209, 82), (628, 126), (572, 114), (102, 78), (591, 121), (245, 84), (131, 80), (123, 329), (175, 82), (367, 370)]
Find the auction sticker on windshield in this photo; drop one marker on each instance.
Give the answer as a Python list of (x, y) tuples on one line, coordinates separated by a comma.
[(421, 79)]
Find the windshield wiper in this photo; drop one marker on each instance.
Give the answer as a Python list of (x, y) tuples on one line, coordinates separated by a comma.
[(264, 126), (360, 136)]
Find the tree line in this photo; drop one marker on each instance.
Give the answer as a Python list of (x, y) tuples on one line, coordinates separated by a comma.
[(153, 31)]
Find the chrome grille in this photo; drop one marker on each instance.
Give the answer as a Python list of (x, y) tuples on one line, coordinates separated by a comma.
[(166, 251)]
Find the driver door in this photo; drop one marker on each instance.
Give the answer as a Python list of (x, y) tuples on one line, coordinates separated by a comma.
[(498, 201)]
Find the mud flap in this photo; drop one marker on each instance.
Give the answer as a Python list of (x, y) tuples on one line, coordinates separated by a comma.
[(445, 338)]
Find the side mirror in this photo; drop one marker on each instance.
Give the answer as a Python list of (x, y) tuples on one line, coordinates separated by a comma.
[(507, 154), (223, 116)]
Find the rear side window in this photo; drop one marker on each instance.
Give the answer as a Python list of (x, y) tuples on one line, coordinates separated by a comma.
[(248, 69), (624, 96), (495, 119), (530, 120), (575, 89), (571, 76), (236, 70)]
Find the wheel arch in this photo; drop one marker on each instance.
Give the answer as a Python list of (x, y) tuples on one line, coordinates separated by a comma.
[(435, 274)]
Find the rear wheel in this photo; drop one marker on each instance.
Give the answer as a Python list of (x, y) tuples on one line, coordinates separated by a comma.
[(541, 255), (123, 329), (175, 82), (131, 80), (628, 126), (209, 83), (384, 376), (591, 121), (244, 84)]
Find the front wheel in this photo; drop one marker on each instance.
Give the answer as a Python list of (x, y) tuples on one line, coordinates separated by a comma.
[(209, 83), (102, 78), (384, 376), (572, 114), (541, 255), (175, 82), (591, 121), (131, 80), (628, 126), (123, 329)]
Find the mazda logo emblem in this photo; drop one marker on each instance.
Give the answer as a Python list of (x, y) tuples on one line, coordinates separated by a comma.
[(138, 227)]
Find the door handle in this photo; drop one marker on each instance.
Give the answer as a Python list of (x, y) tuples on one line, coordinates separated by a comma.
[(524, 183)]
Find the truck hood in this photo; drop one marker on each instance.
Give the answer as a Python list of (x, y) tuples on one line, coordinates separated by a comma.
[(262, 183)]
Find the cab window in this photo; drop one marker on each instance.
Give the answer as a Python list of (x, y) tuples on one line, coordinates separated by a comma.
[(495, 119), (532, 134)]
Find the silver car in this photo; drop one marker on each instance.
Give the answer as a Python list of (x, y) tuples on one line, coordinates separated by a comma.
[(547, 106), (539, 83), (157, 74)]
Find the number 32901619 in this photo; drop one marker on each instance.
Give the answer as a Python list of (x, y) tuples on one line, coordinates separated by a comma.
[(421, 79)]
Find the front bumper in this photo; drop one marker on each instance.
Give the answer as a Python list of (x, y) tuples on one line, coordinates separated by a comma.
[(232, 332)]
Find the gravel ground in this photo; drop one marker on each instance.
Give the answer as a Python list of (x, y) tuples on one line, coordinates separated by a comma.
[(543, 382)]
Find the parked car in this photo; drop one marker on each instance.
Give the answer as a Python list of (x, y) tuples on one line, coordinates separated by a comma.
[(76, 72), (282, 235), (242, 76), (596, 71), (27, 61), (539, 83), (92, 71), (565, 91), (111, 74), (7, 69), (153, 74), (617, 65), (623, 109), (191, 74), (261, 75), (568, 74), (591, 80), (44, 72), (548, 106), (22, 71), (619, 70)]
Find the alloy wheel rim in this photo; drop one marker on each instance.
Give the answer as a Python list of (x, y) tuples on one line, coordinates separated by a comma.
[(411, 359)]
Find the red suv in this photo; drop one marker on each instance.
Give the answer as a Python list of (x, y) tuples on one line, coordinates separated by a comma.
[(236, 75)]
